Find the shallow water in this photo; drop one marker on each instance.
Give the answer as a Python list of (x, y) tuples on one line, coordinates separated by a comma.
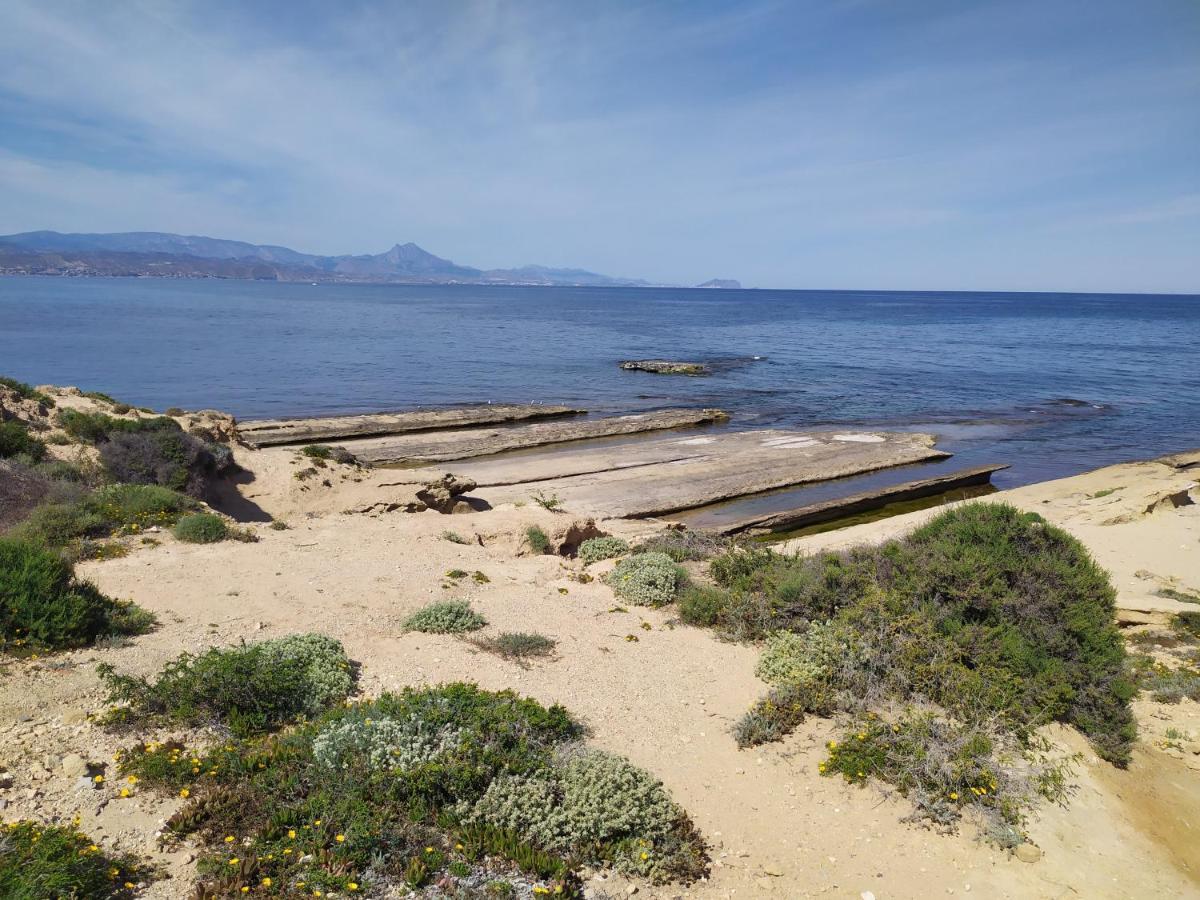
[(1051, 383)]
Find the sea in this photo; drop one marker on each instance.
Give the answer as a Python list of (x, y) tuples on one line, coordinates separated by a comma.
[(1049, 384)]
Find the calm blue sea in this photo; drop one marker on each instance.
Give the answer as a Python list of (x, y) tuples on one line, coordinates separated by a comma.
[(1052, 383)]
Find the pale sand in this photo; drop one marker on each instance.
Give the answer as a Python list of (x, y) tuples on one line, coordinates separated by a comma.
[(666, 701)]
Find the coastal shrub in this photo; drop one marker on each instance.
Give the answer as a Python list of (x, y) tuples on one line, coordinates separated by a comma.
[(112, 509), (683, 546), (596, 799), (598, 548), (448, 617), (985, 623), (551, 503), (381, 797), (39, 861), (645, 579), (249, 689), (43, 604), (1026, 602), (738, 563), (945, 767), (326, 453), (454, 537), (164, 456), (201, 528), (97, 427), (702, 605), (517, 645), (15, 440), (537, 539)]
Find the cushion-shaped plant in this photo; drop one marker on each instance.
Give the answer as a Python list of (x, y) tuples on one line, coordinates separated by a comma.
[(447, 617), (645, 579)]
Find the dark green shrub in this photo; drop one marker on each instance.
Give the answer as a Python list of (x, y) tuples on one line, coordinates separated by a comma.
[(15, 440), (42, 604), (1023, 599), (317, 451), (702, 605), (164, 456), (201, 528), (96, 428), (250, 688), (737, 564), (39, 861)]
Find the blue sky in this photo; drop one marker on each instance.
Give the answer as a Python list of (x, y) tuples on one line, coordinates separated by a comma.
[(1050, 145)]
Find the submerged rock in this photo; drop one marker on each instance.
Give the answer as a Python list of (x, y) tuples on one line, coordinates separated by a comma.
[(665, 367)]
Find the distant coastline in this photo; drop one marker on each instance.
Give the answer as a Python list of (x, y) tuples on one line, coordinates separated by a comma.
[(152, 254)]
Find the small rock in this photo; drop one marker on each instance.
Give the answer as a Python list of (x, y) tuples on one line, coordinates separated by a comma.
[(867, 895), (774, 871), (6, 780), (74, 765), (1028, 853)]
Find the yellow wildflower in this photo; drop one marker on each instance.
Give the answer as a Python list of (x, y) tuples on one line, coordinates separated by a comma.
[(340, 838)]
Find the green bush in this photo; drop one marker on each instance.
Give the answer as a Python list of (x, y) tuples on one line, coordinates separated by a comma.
[(537, 539), (448, 617), (201, 528), (39, 861), (15, 440), (96, 427), (165, 456), (250, 688), (702, 605), (374, 796), (42, 604), (986, 621), (109, 510), (598, 548), (645, 579)]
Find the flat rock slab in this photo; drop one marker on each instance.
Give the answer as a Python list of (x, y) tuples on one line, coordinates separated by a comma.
[(444, 446), (826, 510), (694, 472), (273, 432)]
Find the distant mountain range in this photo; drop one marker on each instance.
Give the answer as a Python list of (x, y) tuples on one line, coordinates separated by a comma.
[(164, 255)]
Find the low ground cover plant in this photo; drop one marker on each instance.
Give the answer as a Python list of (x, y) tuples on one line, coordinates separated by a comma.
[(201, 528), (537, 539), (247, 689), (39, 861), (684, 545), (518, 645), (445, 784), (43, 604), (109, 510), (959, 640), (646, 579), (447, 617), (595, 549)]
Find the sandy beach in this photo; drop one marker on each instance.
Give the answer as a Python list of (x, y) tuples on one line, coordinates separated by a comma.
[(665, 700)]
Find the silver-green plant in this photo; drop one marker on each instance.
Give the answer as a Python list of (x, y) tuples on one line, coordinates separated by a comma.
[(447, 617), (598, 548), (385, 744), (645, 579)]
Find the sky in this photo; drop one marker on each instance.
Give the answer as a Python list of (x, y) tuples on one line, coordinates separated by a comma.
[(1010, 145)]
